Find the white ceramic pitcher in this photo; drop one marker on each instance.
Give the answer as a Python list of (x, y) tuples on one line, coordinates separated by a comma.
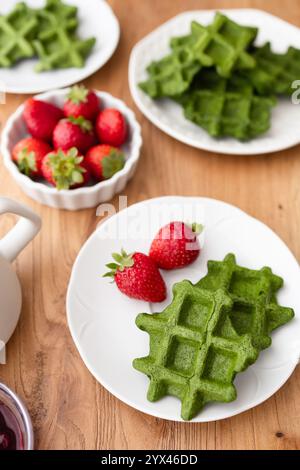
[(10, 246)]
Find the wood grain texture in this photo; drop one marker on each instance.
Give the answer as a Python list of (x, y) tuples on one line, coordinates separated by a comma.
[(70, 410)]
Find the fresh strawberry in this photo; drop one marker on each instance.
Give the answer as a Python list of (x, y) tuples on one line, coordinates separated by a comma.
[(41, 118), (82, 102), (111, 127), (28, 154), (104, 161), (137, 276), (74, 132), (65, 170), (176, 245)]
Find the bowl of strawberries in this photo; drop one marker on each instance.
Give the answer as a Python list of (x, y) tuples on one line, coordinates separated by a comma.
[(73, 148)]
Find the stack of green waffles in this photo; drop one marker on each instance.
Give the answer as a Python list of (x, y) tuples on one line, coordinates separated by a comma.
[(211, 331), (225, 84), (49, 33)]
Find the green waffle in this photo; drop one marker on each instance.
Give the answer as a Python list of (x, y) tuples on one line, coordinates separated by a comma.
[(170, 76), (209, 333), (253, 293), (57, 44), (17, 30), (275, 73), (49, 33), (62, 11), (227, 107), (190, 357), (222, 44), (225, 83)]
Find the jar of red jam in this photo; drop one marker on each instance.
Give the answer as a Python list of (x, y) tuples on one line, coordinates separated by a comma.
[(16, 431)]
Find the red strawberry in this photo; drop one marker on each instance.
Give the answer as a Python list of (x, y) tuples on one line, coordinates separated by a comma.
[(176, 245), (111, 127), (74, 132), (28, 154), (82, 102), (138, 277), (41, 118), (104, 161), (65, 170)]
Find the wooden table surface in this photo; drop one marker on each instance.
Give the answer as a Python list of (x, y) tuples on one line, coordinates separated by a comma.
[(69, 409)]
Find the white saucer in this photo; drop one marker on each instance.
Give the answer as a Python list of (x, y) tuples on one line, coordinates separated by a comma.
[(97, 19), (168, 116), (102, 320)]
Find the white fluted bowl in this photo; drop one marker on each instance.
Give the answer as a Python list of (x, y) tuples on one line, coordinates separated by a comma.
[(75, 199)]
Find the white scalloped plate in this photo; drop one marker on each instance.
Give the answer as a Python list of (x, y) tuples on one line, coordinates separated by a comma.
[(102, 320), (168, 116), (97, 20)]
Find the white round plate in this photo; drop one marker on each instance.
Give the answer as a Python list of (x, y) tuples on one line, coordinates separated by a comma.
[(168, 116), (102, 320), (96, 20)]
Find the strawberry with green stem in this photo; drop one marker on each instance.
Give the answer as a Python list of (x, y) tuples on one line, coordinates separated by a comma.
[(104, 161), (28, 154), (137, 276), (65, 170), (82, 102), (176, 245), (74, 132)]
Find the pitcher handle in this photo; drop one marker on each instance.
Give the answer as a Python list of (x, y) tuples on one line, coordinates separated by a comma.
[(24, 231)]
